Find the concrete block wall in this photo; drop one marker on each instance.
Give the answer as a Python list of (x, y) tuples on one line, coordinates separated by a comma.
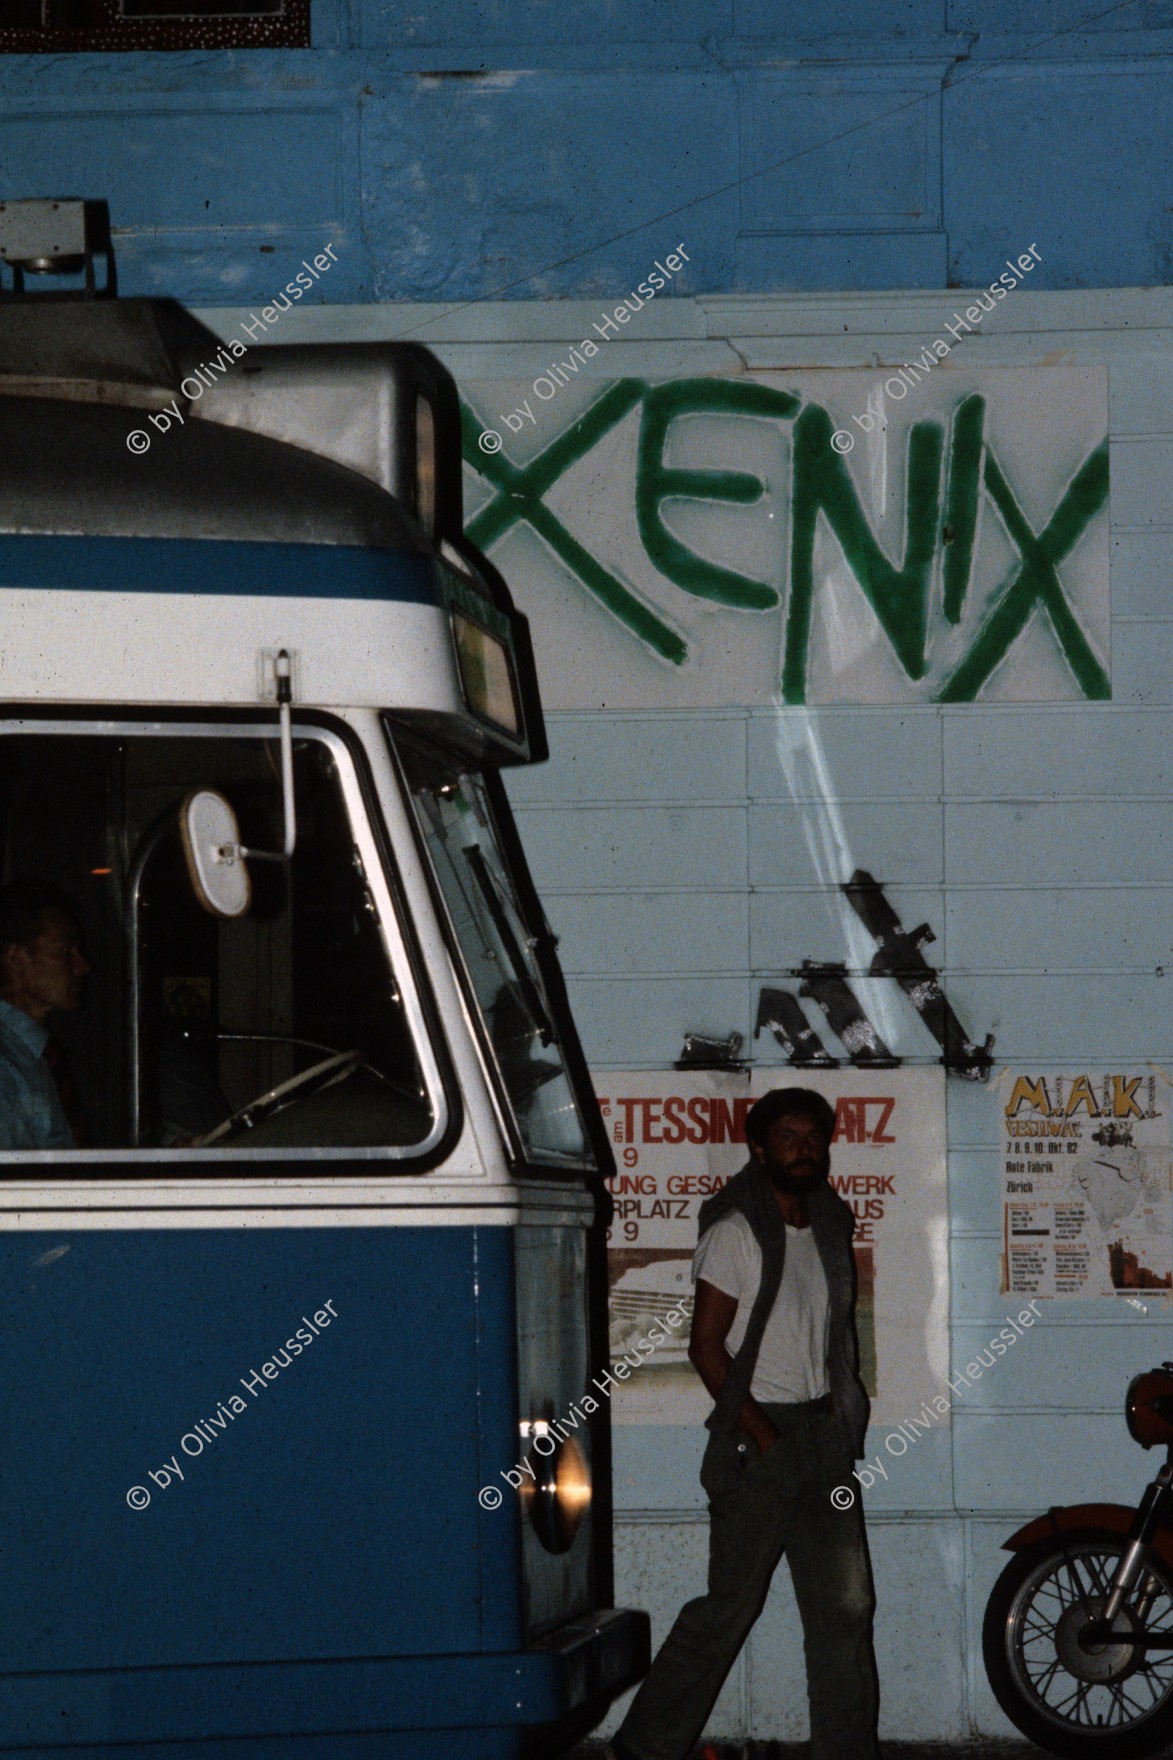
[(674, 863)]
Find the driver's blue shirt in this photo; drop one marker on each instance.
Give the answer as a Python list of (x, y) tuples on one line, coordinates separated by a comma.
[(31, 1115)]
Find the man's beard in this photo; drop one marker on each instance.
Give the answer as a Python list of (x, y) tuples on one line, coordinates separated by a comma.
[(792, 1184)]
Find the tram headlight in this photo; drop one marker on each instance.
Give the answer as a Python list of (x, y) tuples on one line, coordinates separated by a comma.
[(486, 675), (558, 1496)]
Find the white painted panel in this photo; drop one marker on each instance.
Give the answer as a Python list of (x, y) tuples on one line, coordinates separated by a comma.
[(776, 1672), (616, 934), (1142, 574), (1092, 1022), (586, 847), (1143, 661), (1140, 398), (790, 925), (642, 1021), (1046, 1458), (1058, 844), (847, 327), (1045, 753), (1142, 482), (1087, 1364), (656, 1468), (975, 1188), (822, 843), (804, 753), (919, 1479), (1006, 928), (974, 1118), (974, 1282), (1033, 883), (635, 757)]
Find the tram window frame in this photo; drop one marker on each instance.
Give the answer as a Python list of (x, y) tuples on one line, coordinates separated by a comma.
[(88, 26), (373, 849), (410, 752)]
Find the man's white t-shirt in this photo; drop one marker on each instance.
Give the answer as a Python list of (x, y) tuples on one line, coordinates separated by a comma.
[(792, 1361)]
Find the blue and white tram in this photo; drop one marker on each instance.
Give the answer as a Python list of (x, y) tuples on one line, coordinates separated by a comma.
[(325, 1259)]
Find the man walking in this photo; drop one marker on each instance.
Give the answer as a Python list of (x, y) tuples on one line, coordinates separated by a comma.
[(773, 1339)]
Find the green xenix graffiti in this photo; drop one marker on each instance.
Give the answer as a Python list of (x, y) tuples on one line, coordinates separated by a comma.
[(946, 474)]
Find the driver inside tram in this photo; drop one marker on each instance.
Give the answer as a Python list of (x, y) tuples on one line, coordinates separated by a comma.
[(41, 971)]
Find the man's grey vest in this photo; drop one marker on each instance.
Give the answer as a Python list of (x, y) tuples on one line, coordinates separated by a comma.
[(833, 1225)]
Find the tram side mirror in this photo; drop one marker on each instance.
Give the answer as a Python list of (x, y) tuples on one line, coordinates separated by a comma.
[(212, 850)]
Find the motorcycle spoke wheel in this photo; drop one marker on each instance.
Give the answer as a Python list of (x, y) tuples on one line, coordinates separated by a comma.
[(1113, 1699)]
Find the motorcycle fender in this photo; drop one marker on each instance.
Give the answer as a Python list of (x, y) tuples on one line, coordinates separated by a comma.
[(1117, 1518)]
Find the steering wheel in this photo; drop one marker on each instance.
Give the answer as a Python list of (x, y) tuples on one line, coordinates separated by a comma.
[(321, 1075)]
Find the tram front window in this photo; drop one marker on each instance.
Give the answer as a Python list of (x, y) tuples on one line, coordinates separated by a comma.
[(284, 1028), (498, 952)]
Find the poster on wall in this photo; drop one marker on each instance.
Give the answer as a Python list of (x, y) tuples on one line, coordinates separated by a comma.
[(1087, 1205), (679, 1136), (814, 536)]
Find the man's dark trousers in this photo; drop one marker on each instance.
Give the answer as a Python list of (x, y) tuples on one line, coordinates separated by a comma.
[(761, 1505)]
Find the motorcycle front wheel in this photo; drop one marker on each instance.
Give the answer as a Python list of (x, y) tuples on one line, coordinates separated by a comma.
[(1114, 1699)]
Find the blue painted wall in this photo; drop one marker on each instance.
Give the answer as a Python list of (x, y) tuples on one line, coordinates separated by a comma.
[(531, 147)]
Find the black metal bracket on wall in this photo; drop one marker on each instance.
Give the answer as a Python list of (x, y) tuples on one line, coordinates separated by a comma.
[(705, 1051), (782, 1013), (827, 983), (899, 956)]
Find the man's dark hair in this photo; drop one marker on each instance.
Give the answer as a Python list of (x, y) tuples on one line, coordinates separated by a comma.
[(781, 1103), (23, 904)]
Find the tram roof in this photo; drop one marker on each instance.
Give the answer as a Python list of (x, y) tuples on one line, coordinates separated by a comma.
[(171, 574)]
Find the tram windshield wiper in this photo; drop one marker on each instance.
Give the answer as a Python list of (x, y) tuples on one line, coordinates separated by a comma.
[(526, 987)]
